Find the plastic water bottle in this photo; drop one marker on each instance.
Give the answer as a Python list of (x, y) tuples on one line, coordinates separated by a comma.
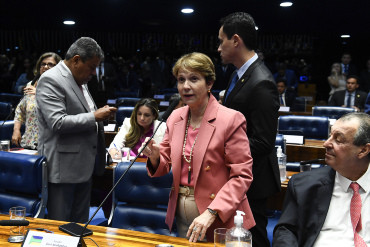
[(238, 236), (282, 163)]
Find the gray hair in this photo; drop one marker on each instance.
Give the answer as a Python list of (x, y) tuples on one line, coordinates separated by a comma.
[(86, 48), (362, 136)]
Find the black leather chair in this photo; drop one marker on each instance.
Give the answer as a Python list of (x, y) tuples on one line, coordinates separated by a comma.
[(334, 112), (23, 182), (139, 201), (312, 127), (122, 113)]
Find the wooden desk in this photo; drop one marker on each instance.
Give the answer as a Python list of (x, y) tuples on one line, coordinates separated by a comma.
[(311, 149), (109, 136), (297, 113), (103, 236)]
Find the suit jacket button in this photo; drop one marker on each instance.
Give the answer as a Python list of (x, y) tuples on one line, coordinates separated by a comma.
[(208, 168), (212, 196)]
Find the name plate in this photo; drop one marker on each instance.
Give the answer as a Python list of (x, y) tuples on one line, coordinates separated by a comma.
[(37, 238), (294, 139), (158, 96), (284, 109)]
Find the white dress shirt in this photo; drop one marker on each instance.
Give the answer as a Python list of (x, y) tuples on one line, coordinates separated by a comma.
[(337, 229)]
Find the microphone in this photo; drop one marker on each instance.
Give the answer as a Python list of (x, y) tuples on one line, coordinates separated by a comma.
[(75, 225), (170, 109), (14, 222)]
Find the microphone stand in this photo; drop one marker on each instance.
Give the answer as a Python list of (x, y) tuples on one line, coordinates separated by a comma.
[(81, 242)]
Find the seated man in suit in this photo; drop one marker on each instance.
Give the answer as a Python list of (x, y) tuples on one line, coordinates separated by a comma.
[(286, 96), (351, 97), (319, 207)]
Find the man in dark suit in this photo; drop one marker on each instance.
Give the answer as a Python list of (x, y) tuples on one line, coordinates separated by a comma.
[(71, 133), (347, 67), (254, 94), (320, 205), (351, 97), (286, 95)]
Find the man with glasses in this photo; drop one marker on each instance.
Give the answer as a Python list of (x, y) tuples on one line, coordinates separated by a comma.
[(71, 131)]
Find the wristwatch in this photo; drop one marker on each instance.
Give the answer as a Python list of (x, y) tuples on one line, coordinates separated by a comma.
[(213, 212)]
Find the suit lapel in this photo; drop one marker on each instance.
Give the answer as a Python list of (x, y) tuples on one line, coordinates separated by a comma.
[(73, 84), (205, 134), (177, 142), (241, 82)]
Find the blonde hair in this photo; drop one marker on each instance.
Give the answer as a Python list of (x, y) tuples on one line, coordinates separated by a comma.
[(198, 62)]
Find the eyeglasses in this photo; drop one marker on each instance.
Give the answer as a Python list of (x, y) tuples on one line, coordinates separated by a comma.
[(50, 65)]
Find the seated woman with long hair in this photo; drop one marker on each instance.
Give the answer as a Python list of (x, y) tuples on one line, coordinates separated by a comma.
[(134, 130)]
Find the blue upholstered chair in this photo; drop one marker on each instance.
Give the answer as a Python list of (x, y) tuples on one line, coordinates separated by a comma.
[(139, 201), (122, 113), (11, 98), (6, 130), (312, 127), (23, 182), (331, 111), (127, 101), (5, 110)]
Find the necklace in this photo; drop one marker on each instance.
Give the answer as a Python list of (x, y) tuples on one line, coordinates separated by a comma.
[(191, 150)]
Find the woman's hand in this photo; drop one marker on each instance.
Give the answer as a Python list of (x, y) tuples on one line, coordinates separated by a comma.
[(16, 138), (200, 225), (115, 153), (151, 151), (29, 90)]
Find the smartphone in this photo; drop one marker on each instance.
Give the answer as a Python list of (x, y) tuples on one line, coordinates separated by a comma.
[(75, 229)]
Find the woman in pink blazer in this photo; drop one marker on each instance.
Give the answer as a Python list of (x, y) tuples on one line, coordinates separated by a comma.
[(207, 148)]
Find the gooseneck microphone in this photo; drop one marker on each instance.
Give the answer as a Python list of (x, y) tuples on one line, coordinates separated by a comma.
[(14, 222), (310, 161), (75, 225)]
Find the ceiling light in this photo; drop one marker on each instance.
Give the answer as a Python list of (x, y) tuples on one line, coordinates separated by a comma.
[(286, 4), (68, 22), (345, 36), (187, 10), (256, 27)]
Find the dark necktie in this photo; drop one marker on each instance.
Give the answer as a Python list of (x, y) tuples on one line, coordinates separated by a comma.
[(281, 100), (349, 96), (355, 211), (232, 85), (346, 69)]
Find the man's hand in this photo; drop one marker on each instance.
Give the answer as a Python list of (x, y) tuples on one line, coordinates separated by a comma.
[(104, 113)]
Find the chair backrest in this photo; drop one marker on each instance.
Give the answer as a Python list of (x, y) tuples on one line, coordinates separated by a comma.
[(280, 141), (122, 113), (11, 98), (299, 104), (331, 111), (126, 101), (5, 110), (312, 127), (23, 182), (139, 201)]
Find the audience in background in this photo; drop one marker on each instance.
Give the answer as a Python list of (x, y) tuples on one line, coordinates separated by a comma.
[(286, 95), (347, 67), (25, 112), (134, 130), (174, 98), (351, 96), (320, 205), (283, 73), (223, 74), (26, 76), (336, 79), (365, 78)]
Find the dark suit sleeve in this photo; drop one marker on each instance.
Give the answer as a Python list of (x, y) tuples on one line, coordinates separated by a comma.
[(264, 115), (285, 232)]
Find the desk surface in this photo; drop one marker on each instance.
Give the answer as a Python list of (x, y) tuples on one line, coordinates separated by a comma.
[(103, 236), (311, 149)]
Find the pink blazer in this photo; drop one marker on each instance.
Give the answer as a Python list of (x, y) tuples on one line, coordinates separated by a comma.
[(222, 164)]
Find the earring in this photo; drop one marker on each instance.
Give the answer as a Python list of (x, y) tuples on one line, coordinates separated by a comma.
[(209, 91)]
